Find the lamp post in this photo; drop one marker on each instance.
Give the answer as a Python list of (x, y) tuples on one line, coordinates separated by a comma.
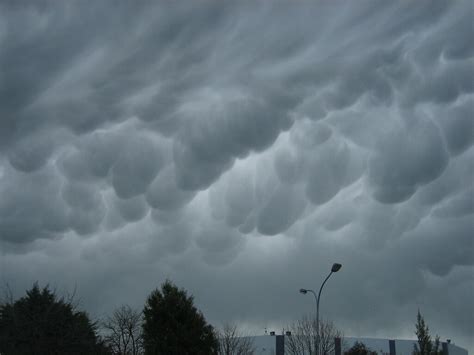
[(335, 268)]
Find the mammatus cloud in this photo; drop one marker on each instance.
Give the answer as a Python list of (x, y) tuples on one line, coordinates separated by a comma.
[(240, 149), (420, 155)]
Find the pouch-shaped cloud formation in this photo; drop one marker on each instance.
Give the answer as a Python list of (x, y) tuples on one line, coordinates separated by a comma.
[(234, 138)]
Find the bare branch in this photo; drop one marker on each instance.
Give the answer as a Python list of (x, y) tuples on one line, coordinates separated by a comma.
[(124, 331), (233, 342), (303, 337)]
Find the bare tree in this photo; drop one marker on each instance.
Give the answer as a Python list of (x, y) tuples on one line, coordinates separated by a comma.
[(302, 340), (233, 342), (124, 331)]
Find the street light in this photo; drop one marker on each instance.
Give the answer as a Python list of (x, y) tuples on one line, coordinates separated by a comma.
[(335, 268)]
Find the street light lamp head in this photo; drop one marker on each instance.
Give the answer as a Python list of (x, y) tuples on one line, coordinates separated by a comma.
[(336, 267), (303, 291)]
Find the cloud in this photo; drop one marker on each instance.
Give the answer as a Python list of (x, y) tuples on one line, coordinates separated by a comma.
[(413, 156), (132, 209), (164, 194), (28, 212), (219, 127), (240, 149), (135, 168), (458, 126)]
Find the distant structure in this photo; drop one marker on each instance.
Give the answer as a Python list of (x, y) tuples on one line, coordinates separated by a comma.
[(275, 345)]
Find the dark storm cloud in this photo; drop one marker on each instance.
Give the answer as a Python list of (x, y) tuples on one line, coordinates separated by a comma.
[(132, 209), (244, 123), (404, 161), (86, 207), (458, 125), (243, 147), (164, 194), (29, 212)]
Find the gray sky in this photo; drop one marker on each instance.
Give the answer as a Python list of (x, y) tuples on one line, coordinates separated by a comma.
[(240, 150)]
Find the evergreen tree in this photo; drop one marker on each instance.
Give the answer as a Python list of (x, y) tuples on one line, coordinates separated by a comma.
[(425, 344), (40, 323), (173, 326)]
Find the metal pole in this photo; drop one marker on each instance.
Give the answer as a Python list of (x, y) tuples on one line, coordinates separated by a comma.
[(317, 311), (317, 314), (335, 268)]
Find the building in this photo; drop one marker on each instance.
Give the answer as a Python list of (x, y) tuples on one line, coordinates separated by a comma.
[(275, 345)]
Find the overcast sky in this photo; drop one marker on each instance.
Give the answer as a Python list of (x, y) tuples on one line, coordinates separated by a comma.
[(240, 150)]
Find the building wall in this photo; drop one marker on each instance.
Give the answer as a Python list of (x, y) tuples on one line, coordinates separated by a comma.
[(274, 345), (265, 345), (456, 350)]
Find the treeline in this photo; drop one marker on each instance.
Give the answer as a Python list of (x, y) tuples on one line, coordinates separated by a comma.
[(42, 323)]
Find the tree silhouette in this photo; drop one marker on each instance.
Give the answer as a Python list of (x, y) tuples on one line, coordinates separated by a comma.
[(303, 338), (360, 349), (173, 326), (425, 344), (124, 331), (42, 323), (232, 342)]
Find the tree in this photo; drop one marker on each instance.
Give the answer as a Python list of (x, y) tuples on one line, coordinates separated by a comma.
[(42, 323), (425, 344), (173, 326), (360, 349), (124, 331), (303, 337), (232, 342)]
